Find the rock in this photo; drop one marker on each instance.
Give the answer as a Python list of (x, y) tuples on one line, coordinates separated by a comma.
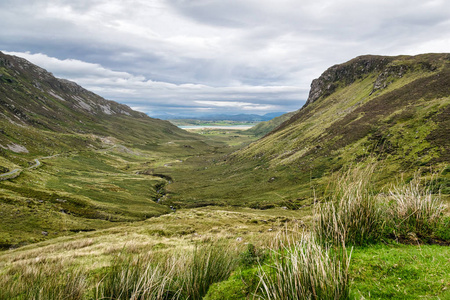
[(45, 233), (345, 74)]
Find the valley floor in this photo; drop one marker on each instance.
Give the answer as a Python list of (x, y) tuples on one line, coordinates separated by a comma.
[(78, 213)]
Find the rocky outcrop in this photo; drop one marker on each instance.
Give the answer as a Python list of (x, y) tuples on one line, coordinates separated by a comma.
[(345, 74), (386, 69)]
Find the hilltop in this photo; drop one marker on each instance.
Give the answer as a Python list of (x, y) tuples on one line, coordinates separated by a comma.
[(41, 114), (395, 108)]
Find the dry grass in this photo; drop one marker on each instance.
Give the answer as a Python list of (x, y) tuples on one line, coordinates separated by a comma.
[(413, 208), (302, 268), (353, 214), (92, 253)]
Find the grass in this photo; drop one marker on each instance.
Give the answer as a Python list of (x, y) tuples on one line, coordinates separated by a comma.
[(353, 214), (414, 209), (203, 253), (356, 215), (304, 269), (91, 190), (87, 210), (397, 271)]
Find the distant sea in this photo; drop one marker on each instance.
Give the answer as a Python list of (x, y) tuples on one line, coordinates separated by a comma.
[(240, 127)]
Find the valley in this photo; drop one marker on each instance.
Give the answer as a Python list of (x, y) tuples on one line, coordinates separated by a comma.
[(96, 198)]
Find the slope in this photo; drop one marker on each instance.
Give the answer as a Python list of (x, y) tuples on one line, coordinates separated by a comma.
[(72, 161), (394, 110), (40, 113), (265, 127)]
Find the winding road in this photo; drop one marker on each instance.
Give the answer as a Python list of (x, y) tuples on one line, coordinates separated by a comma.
[(10, 173), (16, 172)]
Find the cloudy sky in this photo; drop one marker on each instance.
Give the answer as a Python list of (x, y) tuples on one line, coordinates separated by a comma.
[(184, 57)]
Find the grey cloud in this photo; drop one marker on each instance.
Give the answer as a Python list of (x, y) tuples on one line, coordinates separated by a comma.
[(171, 53)]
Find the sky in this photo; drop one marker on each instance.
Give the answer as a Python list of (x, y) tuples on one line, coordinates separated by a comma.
[(194, 57)]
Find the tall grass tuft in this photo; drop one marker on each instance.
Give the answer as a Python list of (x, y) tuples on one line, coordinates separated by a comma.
[(414, 209), (352, 213), (207, 265), (186, 275), (44, 286), (306, 269), (137, 278)]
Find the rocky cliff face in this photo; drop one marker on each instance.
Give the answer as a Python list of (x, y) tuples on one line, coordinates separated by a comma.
[(358, 68), (345, 74)]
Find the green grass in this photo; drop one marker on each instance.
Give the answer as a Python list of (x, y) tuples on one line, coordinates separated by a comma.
[(400, 272), (90, 190)]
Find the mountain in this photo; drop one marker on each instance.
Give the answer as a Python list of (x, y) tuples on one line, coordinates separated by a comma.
[(41, 114), (395, 109), (227, 117), (391, 111), (72, 161)]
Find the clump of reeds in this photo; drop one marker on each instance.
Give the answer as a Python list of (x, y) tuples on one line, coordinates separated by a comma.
[(413, 208), (42, 285), (352, 213), (186, 275), (137, 278), (206, 265), (305, 269)]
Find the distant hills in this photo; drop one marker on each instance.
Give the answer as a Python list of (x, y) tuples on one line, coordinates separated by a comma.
[(265, 127), (225, 117)]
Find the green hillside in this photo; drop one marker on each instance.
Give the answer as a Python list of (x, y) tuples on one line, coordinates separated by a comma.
[(42, 114), (394, 110), (72, 161), (265, 127), (393, 107)]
